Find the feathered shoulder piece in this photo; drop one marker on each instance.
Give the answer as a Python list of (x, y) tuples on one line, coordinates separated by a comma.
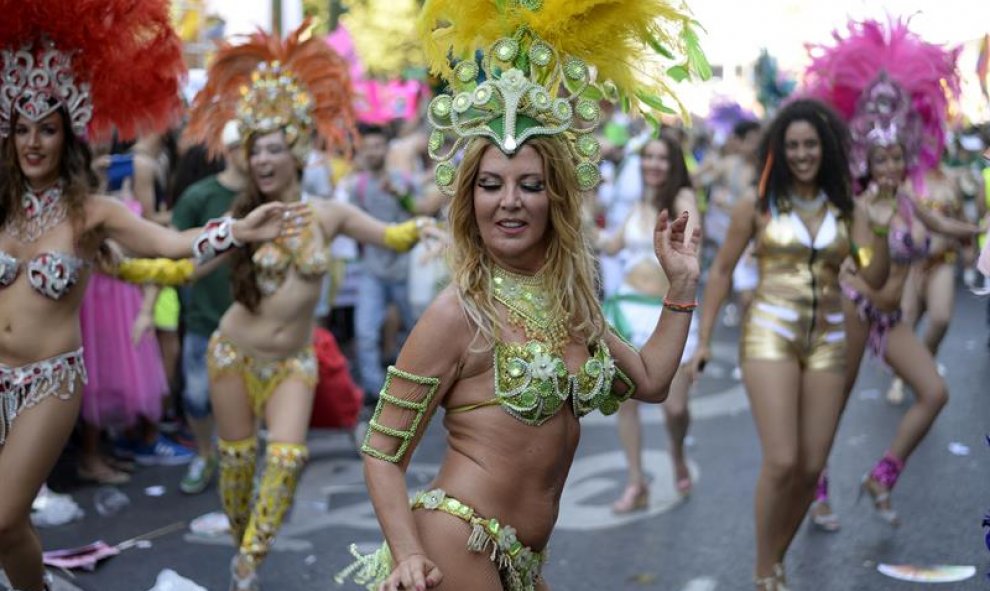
[(546, 65), (109, 63), (890, 85), (299, 85)]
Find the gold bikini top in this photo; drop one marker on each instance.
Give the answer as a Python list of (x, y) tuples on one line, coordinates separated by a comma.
[(306, 252), (532, 382)]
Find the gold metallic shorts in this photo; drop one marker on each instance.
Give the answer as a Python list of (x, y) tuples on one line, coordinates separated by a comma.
[(773, 332), (261, 376)]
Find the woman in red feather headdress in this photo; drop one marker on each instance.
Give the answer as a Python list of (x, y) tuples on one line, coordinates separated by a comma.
[(71, 70)]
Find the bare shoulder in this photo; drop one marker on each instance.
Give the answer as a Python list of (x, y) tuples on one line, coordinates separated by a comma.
[(446, 318)]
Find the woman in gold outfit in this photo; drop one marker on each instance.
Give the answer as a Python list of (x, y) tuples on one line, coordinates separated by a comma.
[(803, 223)]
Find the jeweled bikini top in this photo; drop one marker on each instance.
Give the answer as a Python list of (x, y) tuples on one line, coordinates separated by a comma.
[(52, 274), (532, 382), (307, 252)]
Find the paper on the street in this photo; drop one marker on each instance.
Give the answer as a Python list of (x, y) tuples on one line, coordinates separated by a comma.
[(941, 573)]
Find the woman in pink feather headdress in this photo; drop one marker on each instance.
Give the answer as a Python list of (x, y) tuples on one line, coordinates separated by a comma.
[(894, 90)]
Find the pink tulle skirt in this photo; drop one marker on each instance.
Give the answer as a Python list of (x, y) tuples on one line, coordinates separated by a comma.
[(125, 382)]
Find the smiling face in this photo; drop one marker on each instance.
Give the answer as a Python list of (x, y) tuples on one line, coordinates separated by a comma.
[(273, 167), (39, 149), (887, 165), (803, 150), (655, 163), (512, 208)]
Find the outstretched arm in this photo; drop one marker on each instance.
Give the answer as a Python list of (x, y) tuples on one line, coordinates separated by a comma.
[(741, 230), (148, 239), (337, 217)]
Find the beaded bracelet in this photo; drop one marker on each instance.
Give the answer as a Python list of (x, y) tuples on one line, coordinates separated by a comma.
[(686, 307)]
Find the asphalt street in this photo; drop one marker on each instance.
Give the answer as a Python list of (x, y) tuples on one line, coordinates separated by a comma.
[(702, 544)]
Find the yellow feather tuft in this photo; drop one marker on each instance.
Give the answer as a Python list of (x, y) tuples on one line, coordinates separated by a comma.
[(617, 37)]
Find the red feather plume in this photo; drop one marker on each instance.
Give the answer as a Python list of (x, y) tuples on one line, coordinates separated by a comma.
[(126, 50)]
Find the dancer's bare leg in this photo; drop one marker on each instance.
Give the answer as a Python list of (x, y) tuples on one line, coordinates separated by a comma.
[(940, 297), (913, 362), (822, 400), (631, 436), (771, 387), (32, 448), (678, 418)]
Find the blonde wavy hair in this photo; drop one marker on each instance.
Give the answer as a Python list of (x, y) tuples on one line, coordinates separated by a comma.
[(569, 270)]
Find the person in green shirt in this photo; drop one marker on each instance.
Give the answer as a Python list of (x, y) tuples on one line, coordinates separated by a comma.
[(207, 300)]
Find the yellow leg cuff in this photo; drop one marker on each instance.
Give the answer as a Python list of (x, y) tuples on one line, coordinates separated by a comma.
[(283, 465), (237, 462)]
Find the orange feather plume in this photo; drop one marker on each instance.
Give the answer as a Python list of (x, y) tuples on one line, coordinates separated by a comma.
[(311, 76)]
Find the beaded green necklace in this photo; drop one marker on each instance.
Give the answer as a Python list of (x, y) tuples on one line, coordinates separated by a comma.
[(529, 307)]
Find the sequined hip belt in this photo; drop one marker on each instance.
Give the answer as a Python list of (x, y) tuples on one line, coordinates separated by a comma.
[(518, 565), (261, 376), (27, 385), (881, 321)]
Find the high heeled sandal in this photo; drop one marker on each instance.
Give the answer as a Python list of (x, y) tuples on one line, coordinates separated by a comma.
[(824, 521), (781, 576), (240, 582), (887, 514), (636, 497), (775, 582), (684, 487)]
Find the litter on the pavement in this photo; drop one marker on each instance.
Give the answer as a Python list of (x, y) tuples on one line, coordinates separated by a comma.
[(958, 449), (940, 573), (210, 525), (84, 557), (88, 556), (169, 580), (51, 509), (155, 491)]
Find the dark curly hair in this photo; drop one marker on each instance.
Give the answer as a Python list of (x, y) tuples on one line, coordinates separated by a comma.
[(74, 170), (833, 173)]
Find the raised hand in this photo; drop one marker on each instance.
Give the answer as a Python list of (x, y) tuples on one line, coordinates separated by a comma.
[(415, 573), (262, 224), (676, 249)]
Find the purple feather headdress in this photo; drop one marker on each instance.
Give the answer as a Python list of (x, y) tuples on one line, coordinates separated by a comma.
[(890, 86)]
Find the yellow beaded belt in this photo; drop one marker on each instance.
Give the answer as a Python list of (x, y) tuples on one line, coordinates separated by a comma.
[(519, 565)]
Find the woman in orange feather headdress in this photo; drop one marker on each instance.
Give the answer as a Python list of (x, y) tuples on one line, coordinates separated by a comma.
[(261, 360), (71, 70)]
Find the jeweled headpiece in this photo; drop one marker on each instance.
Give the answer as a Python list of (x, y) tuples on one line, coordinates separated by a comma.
[(890, 86), (298, 86), (110, 65), (36, 83), (547, 64)]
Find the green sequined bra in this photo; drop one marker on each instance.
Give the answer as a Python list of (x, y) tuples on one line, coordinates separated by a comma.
[(532, 382)]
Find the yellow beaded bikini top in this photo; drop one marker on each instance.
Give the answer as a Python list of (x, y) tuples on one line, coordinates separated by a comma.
[(307, 252), (532, 382)]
